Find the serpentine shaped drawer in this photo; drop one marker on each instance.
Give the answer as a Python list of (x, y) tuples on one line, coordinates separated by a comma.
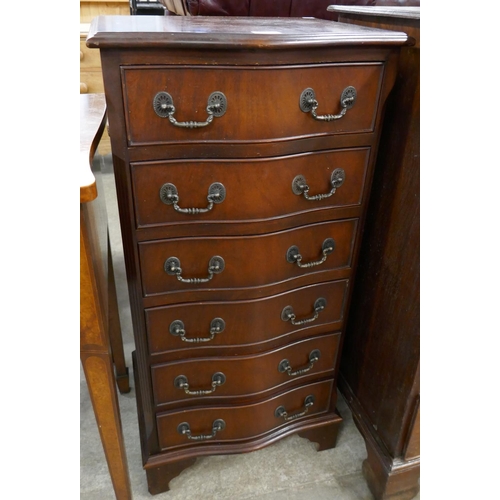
[(182, 104), (212, 263), (225, 324), (203, 379), (184, 191), (202, 427)]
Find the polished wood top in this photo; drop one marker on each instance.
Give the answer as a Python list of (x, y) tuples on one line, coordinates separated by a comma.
[(231, 33), (400, 12)]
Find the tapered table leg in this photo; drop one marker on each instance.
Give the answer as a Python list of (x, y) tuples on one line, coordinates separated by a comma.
[(98, 305), (115, 332)]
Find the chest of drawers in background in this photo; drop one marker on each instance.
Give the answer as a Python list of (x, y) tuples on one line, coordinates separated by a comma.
[(243, 159), (90, 64)]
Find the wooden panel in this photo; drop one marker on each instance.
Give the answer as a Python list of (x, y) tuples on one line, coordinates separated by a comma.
[(93, 82), (262, 102), (242, 422), (249, 261), (89, 58), (93, 8), (244, 375), (204, 33), (385, 309), (413, 443), (99, 375), (380, 362), (93, 282), (254, 189), (247, 322)]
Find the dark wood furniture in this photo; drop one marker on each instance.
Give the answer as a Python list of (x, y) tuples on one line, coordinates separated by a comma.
[(239, 283), (276, 8), (256, 8), (379, 372), (101, 346), (146, 8)]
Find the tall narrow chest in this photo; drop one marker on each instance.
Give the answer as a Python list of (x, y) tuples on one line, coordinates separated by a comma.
[(243, 151)]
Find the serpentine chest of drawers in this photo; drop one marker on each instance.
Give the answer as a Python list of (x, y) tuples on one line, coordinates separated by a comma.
[(243, 151)]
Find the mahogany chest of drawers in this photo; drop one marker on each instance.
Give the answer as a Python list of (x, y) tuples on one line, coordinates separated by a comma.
[(243, 155)]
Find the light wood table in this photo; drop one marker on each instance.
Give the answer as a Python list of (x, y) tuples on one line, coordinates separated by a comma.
[(101, 345)]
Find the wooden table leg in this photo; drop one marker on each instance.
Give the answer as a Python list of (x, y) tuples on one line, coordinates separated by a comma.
[(99, 321), (101, 384), (95, 355), (115, 331)]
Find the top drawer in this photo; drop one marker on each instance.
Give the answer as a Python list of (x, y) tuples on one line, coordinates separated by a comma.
[(259, 104)]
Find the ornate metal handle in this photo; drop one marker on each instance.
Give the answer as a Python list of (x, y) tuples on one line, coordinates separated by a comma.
[(288, 315), (170, 196), (181, 382), (281, 412), (217, 325), (284, 365), (293, 255), (172, 267), (299, 185), (163, 104), (308, 103), (217, 426)]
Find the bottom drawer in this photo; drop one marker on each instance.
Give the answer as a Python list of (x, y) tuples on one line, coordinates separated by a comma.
[(198, 426)]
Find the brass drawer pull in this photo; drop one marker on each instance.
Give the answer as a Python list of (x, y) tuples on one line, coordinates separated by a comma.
[(293, 254), (288, 315), (217, 426), (181, 382), (299, 185), (170, 196), (172, 267), (280, 412), (308, 103), (163, 104), (217, 325), (284, 365)]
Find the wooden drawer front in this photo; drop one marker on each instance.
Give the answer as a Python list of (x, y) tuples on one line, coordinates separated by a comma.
[(241, 421), (249, 261), (254, 189), (244, 375), (245, 322), (92, 8), (262, 102), (92, 81)]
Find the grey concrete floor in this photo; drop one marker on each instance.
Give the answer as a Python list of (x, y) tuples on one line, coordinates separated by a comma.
[(289, 469)]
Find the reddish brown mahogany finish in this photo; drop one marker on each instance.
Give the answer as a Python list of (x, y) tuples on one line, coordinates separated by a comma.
[(251, 325), (380, 363), (269, 113), (243, 422), (250, 262), (256, 149), (245, 181), (245, 375)]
